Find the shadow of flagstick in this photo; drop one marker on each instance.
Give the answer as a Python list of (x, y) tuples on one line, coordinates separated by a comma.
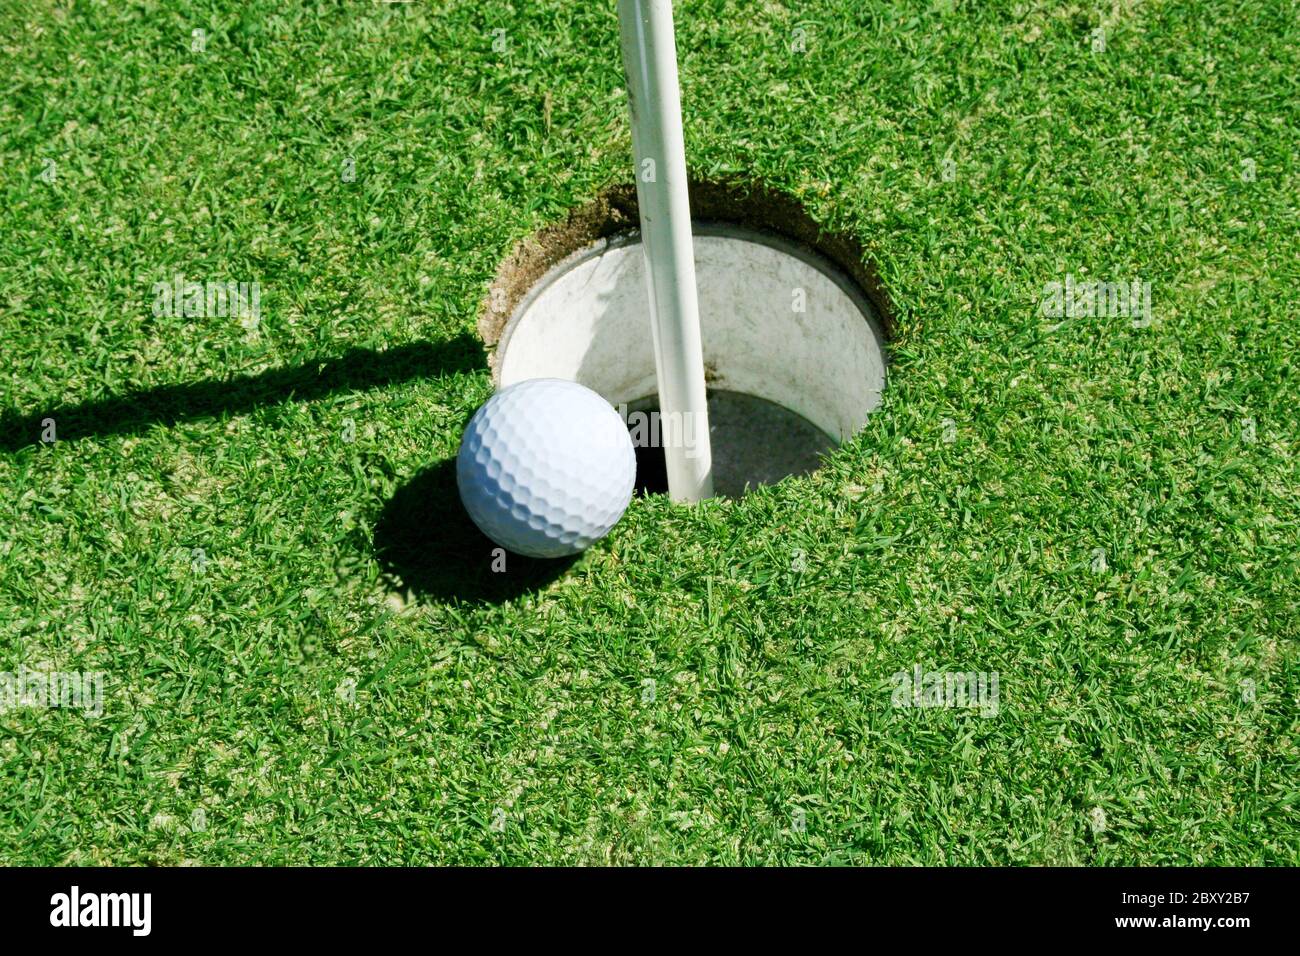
[(423, 538), (354, 370)]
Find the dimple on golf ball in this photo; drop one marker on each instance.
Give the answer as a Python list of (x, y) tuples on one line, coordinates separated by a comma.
[(546, 467)]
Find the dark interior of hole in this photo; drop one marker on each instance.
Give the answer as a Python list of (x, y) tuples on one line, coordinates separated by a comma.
[(755, 442), (651, 471)]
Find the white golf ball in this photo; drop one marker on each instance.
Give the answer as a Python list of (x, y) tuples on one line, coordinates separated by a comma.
[(546, 467)]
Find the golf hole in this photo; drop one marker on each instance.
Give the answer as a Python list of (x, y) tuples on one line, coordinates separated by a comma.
[(792, 320)]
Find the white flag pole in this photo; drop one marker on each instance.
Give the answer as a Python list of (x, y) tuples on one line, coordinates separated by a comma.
[(659, 151)]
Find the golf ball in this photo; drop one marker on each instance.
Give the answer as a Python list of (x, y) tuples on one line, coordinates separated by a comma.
[(546, 467)]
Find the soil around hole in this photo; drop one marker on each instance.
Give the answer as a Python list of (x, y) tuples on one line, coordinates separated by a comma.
[(614, 212)]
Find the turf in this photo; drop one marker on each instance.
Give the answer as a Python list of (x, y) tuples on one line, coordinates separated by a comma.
[(1102, 512)]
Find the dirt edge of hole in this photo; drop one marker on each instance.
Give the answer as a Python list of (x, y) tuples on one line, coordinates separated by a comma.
[(614, 211)]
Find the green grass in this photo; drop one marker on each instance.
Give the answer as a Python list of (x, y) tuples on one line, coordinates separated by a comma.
[(276, 681)]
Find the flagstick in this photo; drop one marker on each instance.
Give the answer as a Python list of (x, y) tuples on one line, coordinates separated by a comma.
[(650, 62)]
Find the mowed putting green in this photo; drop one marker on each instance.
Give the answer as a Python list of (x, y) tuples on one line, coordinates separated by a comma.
[(1042, 609)]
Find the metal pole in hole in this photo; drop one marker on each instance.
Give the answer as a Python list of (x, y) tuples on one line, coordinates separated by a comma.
[(659, 152)]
